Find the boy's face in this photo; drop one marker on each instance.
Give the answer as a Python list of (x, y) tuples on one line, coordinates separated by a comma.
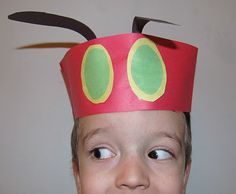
[(132, 152)]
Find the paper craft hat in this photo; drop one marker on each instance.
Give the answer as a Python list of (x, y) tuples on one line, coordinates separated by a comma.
[(125, 72)]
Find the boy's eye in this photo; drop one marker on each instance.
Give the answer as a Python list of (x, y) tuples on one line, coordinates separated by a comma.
[(160, 154), (102, 153)]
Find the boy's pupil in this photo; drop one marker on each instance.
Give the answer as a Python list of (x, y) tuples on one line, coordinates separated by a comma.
[(97, 153), (153, 154)]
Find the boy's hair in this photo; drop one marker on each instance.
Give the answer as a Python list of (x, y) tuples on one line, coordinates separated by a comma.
[(187, 140)]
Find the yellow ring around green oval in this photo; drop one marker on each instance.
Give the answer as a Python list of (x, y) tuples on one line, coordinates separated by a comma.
[(109, 86), (136, 89)]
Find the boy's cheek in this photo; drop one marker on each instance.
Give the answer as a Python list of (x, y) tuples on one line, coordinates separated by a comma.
[(171, 182), (94, 182)]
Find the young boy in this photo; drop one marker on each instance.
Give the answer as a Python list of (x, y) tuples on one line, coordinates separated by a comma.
[(132, 152), (131, 97)]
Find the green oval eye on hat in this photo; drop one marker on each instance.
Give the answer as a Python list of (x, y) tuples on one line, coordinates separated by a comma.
[(146, 70), (97, 80)]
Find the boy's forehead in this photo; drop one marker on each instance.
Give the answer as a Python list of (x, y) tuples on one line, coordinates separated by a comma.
[(143, 115), (139, 122)]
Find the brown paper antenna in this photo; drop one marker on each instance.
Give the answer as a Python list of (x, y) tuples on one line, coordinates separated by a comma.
[(47, 19), (140, 22)]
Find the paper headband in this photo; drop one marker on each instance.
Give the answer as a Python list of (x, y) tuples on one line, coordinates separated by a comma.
[(125, 72)]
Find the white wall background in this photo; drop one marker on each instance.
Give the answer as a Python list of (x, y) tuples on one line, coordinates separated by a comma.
[(35, 114)]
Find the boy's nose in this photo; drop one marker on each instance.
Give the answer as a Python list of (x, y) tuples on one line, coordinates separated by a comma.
[(132, 175)]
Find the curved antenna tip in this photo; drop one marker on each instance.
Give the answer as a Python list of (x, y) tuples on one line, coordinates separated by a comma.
[(140, 22)]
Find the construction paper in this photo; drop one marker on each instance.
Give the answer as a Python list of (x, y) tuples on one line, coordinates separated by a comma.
[(125, 72), (97, 74), (46, 45), (175, 94), (47, 19), (146, 70), (140, 22)]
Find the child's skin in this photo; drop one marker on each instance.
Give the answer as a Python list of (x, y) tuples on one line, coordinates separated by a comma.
[(132, 152)]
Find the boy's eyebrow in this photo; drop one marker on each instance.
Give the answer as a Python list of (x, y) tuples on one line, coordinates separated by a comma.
[(91, 133), (96, 131), (173, 136)]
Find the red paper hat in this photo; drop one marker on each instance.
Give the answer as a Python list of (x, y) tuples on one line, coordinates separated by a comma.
[(124, 72)]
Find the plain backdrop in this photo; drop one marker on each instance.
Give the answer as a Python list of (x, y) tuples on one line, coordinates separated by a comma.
[(35, 113)]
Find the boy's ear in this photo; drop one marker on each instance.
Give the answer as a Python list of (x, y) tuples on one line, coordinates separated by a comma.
[(75, 167), (186, 175)]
